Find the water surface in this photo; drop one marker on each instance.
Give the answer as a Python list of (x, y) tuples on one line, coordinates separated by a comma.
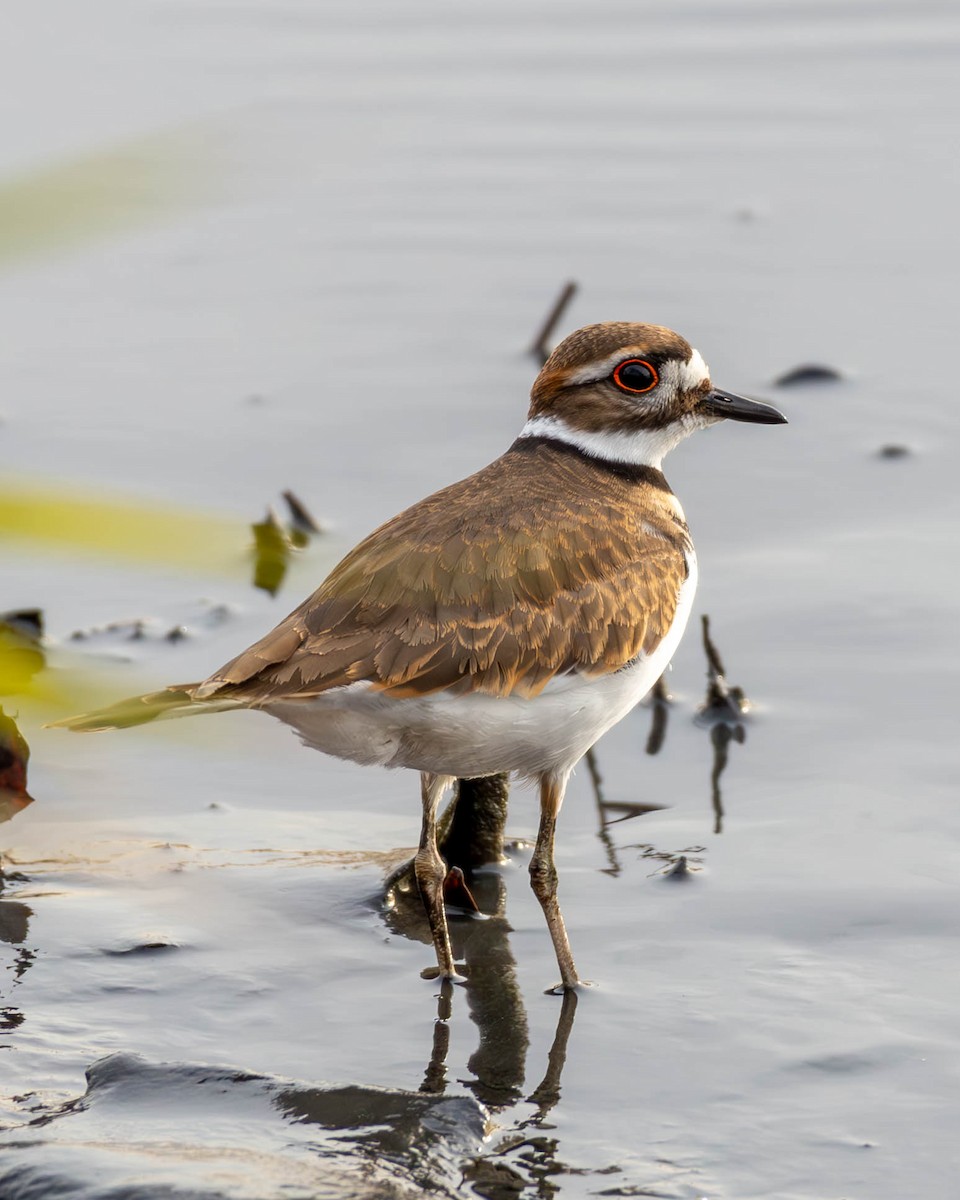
[(201, 995)]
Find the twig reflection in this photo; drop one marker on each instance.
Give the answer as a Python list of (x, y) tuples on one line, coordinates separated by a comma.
[(660, 705), (722, 711), (612, 812), (14, 928)]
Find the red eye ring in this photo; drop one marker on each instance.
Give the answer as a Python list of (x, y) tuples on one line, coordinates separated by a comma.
[(648, 377)]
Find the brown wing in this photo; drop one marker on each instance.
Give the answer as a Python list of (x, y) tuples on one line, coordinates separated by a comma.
[(529, 569)]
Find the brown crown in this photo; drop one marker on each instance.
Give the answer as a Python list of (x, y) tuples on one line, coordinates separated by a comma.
[(592, 405)]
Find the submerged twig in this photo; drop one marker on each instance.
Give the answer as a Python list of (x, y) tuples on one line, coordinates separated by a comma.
[(301, 517), (723, 702), (469, 830), (540, 348)]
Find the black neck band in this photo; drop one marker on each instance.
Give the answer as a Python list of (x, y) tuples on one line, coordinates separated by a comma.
[(631, 472)]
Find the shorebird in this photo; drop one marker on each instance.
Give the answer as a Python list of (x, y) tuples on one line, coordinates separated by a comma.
[(506, 622)]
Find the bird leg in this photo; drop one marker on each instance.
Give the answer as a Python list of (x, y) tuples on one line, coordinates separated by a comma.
[(431, 870), (543, 876)]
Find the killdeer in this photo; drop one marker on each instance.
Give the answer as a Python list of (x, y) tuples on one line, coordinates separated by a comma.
[(507, 621)]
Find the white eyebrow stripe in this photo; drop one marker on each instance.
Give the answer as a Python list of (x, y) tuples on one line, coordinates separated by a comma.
[(600, 370), (694, 372), (677, 376), (687, 375)]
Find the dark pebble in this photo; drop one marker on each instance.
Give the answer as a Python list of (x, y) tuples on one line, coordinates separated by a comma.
[(143, 948), (808, 373)]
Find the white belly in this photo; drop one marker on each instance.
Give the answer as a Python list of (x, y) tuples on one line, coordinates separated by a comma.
[(474, 734)]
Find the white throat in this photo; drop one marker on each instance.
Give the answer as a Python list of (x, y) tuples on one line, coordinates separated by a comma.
[(641, 448)]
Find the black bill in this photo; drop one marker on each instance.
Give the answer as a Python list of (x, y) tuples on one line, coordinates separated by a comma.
[(718, 403)]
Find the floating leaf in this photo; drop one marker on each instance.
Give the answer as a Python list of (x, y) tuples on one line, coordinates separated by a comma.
[(14, 753), (271, 550)]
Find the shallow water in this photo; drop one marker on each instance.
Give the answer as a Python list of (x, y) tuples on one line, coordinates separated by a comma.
[(374, 208)]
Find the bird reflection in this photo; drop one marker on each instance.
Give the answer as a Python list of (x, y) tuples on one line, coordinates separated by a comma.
[(472, 838), (547, 1092), (14, 916), (14, 927), (495, 1003)]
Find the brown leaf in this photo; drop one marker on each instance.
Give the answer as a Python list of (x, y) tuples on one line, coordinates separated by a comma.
[(14, 753)]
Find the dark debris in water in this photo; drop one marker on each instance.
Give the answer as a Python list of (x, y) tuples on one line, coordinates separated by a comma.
[(204, 614), (676, 864), (10, 1018), (135, 629), (724, 702), (28, 622), (300, 516), (541, 346), (808, 373), (893, 450), (155, 946)]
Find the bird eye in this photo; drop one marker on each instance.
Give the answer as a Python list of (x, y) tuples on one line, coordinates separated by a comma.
[(636, 376)]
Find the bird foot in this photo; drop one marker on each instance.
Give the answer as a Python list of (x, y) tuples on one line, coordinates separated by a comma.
[(460, 973), (560, 989)]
